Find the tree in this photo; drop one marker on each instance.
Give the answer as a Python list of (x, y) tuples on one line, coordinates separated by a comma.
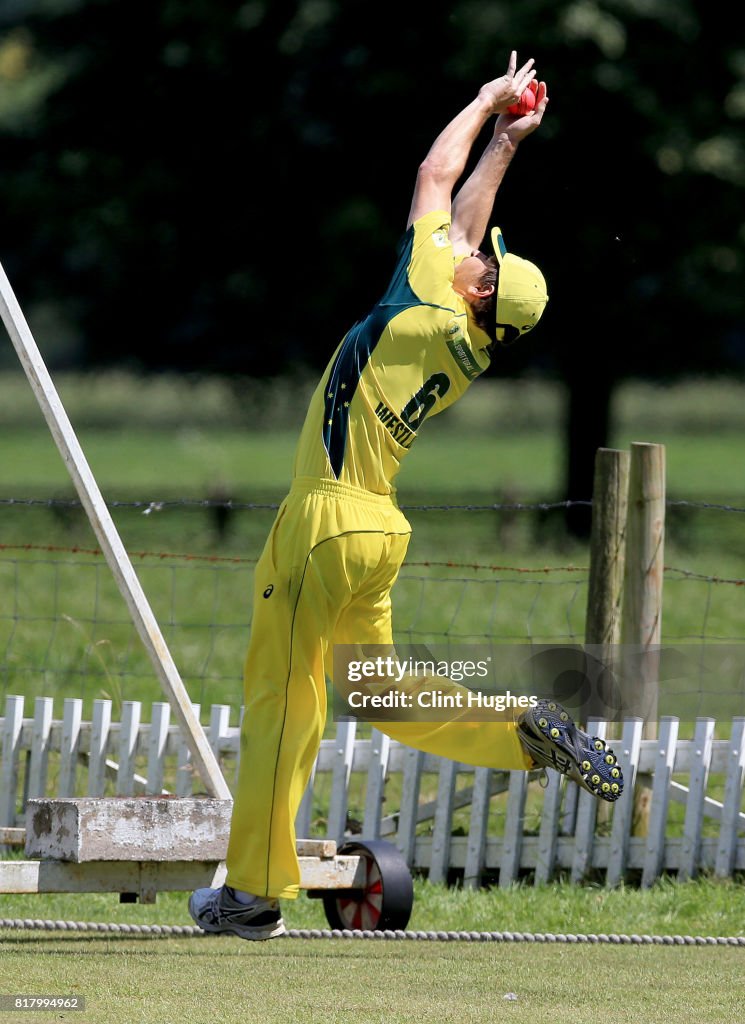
[(218, 188)]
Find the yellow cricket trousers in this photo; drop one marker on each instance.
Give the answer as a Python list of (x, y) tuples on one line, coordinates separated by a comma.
[(324, 577)]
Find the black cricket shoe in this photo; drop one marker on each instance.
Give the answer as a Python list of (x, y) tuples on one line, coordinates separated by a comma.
[(217, 910), (553, 741)]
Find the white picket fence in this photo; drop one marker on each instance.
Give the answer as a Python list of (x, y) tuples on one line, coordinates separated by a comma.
[(449, 819)]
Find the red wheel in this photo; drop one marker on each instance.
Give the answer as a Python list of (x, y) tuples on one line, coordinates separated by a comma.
[(385, 900)]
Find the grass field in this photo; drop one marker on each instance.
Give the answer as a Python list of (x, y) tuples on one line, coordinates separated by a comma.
[(130, 979), (705, 906), (63, 631), (343, 982)]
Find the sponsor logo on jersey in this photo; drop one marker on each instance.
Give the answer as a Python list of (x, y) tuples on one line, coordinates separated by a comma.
[(440, 239), (398, 430), (459, 350), (463, 357)]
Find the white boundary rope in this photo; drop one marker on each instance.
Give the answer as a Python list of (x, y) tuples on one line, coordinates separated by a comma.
[(190, 931)]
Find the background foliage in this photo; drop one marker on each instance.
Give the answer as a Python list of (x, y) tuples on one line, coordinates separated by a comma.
[(219, 188)]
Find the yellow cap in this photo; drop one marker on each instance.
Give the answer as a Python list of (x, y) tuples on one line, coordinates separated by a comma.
[(521, 292)]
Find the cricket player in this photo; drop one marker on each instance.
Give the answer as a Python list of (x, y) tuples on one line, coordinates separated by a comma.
[(339, 537)]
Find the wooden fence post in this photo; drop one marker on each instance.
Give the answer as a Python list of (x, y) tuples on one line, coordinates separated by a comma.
[(607, 558), (607, 547), (641, 616)]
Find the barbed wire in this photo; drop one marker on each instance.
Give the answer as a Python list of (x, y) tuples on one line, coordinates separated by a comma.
[(241, 560), (56, 624), (160, 555), (689, 574), (704, 505), (67, 620), (148, 506), (186, 556)]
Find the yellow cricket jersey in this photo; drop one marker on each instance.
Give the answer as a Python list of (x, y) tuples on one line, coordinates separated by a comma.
[(412, 356)]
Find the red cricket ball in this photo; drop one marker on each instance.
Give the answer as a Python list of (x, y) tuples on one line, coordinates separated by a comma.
[(526, 103)]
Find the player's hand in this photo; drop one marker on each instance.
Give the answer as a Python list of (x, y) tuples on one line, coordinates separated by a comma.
[(504, 91), (517, 126)]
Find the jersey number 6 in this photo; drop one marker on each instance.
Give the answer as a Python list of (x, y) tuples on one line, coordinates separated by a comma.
[(419, 404)]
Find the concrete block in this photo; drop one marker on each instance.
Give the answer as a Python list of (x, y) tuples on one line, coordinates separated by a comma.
[(128, 829)]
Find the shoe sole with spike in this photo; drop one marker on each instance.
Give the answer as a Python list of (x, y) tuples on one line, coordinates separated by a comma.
[(554, 741)]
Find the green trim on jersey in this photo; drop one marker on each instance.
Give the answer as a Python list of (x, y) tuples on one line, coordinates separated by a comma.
[(415, 353), (356, 350)]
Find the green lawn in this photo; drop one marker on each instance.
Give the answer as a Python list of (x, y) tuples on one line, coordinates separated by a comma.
[(193, 462), (131, 979), (705, 906), (128, 979), (347, 982)]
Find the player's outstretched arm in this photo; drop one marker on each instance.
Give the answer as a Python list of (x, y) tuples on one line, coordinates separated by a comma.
[(473, 205), (446, 160)]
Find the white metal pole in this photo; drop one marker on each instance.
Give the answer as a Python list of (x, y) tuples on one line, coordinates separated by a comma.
[(204, 759)]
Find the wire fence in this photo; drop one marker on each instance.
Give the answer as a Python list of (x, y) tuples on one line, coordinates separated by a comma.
[(479, 573), (64, 626), (65, 630)]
